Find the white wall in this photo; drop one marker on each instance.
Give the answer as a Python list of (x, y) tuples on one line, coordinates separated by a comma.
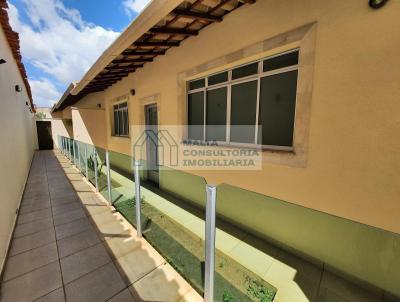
[(16, 143)]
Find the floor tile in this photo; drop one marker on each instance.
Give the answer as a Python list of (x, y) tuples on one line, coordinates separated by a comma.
[(307, 277), (251, 258), (139, 262), (97, 286), (33, 227), (113, 229), (72, 228), (30, 260), (83, 262), (120, 246), (124, 296), (33, 285), (64, 200), (35, 200), (31, 207), (345, 289), (78, 242), (65, 208), (54, 296), (35, 195), (29, 242), (36, 215), (326, 295), (105, 217), (97, 209), (169, 284), (68, 217), (63, 194), (191, 296), (390, 298), (33, 270)]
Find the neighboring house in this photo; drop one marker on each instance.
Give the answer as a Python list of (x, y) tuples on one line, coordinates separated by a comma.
[(322, 80), (16, 132), (43, 113)]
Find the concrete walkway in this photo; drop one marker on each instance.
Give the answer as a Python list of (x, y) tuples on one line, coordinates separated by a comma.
[(69, 245)]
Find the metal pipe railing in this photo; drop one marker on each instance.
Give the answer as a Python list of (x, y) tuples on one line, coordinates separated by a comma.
[(209, 270), (210, 222), (138, 200), (96, 176), (108, 176)]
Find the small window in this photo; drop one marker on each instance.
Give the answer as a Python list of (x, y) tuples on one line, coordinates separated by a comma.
[(197, 84), (121, 120), (218, 78), (196, 116), (282, 61), (245, 71)]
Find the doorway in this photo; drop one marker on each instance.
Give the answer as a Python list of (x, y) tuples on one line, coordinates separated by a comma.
[(45, 140), (151, 116)]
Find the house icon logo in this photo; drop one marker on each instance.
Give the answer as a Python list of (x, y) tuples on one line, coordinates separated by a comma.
[(163, 145)]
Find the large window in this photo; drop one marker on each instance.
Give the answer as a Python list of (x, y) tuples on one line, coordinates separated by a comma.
[(121, 121), (250, 104)]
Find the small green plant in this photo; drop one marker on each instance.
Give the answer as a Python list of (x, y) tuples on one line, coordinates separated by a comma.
[(221, 264), (227, 296), (258, 291)]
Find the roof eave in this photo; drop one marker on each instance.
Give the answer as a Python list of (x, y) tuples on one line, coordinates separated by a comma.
[(152, 13)]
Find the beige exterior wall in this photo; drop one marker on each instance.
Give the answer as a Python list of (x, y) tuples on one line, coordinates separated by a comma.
[(17, 144), (90, 126), (61, 127), (351, 164), (87, 119)]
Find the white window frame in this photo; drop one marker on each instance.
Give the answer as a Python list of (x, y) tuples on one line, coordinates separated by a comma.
[(127, 114), (229, 83)]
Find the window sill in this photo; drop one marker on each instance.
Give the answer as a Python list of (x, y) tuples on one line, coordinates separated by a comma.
[(120, 136), (271, 149)]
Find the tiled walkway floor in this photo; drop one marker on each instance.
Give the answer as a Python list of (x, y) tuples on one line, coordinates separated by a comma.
[(69, 245)]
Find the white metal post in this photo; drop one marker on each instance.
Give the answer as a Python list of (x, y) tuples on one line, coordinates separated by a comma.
[(108, 176), (86, 164), (95, 170), (210, 244), (138, 200)]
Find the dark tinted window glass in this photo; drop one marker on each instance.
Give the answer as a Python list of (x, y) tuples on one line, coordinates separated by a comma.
[(277, 108), (243, 112), (116, 129), (216, 114), (196, 115), (286, 60), (120, 123), (126, 122), (197, 84), (218, 78), (245, 71)]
